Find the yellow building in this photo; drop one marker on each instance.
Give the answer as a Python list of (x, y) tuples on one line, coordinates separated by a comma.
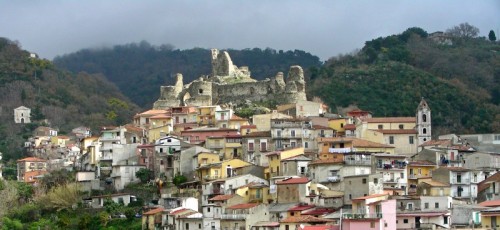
[(143, 119), (209, 172), (206, 115), (60, 141), (247, 129), (398, 132), (338, 125), (207, 158), (263, 121), (30, 164), (418, 170), (255, 192), (232, 147), (336, 145), (429, 187), (237, 122), (274, 159), (227, 167)]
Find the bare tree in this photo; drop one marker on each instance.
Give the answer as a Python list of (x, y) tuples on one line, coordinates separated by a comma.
[(464, 30)]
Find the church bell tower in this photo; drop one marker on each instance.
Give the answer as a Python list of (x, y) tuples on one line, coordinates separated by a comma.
[(423, 122)]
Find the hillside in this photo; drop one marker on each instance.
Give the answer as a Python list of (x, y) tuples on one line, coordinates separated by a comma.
[(66, 100), (140, 69), (460, 81)]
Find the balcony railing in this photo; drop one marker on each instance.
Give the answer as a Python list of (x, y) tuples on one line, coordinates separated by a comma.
[(333, 179), (214, 146), (357, 162), (212, 177), (233, 216), (217, 191), (362, 216), (340, 150), (391, 167), (273, 174), (297, 135), (461, 181), (254, 197)]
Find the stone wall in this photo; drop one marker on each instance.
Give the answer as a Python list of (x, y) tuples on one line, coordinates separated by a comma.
[(236, 87)]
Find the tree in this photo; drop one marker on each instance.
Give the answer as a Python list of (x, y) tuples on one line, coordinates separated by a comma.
[(9, 196), (144, 175), (179, 179), (492, 36), (61, 197), (464, 30)]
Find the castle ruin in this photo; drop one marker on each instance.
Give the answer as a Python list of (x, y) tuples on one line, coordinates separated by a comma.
[(231, 84)]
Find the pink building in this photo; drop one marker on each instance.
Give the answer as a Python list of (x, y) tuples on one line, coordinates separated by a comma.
[(197, 136), (371, 212)]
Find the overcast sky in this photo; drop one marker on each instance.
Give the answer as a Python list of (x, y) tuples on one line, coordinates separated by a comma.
[(323, 28)]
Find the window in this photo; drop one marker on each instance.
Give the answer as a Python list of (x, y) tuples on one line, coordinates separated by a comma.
[(350, 197), (306, 145), (372, 224), (380, 126), (436, 205), (187, 226), (445, 219), (410, 140), (426, 205), (341, 125), (402, 176), (293, 144), (424, 130), (208, 209), (200, 91), (199, 226), (263, 146), (375, 180), (364, 180), (401, 126), (424, 117), (391, 140), (405, 221), (292, 133), (410, 206), (287, 227), (250, 146)]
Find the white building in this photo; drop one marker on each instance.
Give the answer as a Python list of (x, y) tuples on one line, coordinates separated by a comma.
[(22, 115)]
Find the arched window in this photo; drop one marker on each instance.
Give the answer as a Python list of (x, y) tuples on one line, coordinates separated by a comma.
[(200, 91), (424, 130), (424, 117)]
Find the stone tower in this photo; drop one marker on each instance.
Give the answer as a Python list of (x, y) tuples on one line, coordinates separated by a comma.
[(423, 122)]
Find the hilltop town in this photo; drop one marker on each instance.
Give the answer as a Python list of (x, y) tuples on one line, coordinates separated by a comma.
[(299, 166)]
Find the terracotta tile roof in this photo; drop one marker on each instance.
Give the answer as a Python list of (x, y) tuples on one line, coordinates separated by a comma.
[(437, 143), (396, 131), (173, 212), (151, 112), (321, 127), (161, 116), (297, 157), (209, 130), (318, 211), (457, 169), (490, 203), (248, 127), (154, 211), (390, 120), (421, 163), (356, 142), (304, 219), (487, 182), (221, 197), (350, 127), (29, 177), (434, 183), (327, 161), (259, 134), (243, 206), (266, 224), (294, 180), (236, 118), (31, 159), (301, 207), (369, 196), (319, 227)]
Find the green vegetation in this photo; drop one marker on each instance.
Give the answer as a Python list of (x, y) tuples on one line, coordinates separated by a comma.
[(389, 76)]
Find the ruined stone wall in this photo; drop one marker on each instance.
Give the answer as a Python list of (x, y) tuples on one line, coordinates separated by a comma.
[(205, 91)]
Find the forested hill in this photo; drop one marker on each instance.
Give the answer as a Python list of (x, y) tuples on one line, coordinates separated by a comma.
[(139, 69), (457, 74), (66, 100)]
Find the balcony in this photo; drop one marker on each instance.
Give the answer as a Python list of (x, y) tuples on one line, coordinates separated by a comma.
[(391, 180), (233, 216), (391, 167), (362, 216), (288, 136), (461, 181), (333, 179), (215, 146), (273, 174), (340, 150), (212, 177), (254, 197), (358, 162)]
